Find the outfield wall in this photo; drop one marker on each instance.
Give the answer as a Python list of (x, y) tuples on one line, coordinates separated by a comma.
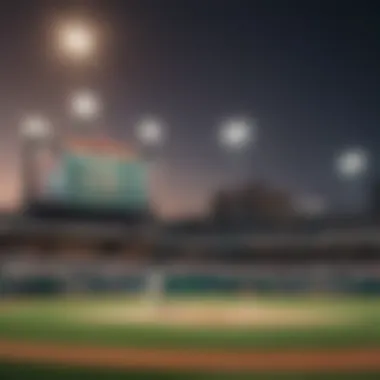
[(53, 277)]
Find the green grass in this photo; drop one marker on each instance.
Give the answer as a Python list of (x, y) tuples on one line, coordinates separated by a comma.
[(22, 371), (27, 372), (44, 320)]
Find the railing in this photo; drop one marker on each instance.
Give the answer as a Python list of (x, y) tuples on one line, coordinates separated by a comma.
[(104, 276)]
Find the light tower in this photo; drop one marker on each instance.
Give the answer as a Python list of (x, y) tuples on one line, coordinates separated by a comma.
[(237, 134), (352, 163), (36, 137), (150, 134), (352, 166), (237, 138), (77, 41), (85, 107)]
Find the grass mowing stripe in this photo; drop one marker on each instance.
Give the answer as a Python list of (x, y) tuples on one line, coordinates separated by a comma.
[(173, 337), (43, 320), (19, 371)]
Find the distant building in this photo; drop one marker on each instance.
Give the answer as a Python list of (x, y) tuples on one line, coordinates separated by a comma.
[(252, 204)]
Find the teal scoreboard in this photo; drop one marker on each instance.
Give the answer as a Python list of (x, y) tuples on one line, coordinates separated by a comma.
[(106, 182), (96, 179)]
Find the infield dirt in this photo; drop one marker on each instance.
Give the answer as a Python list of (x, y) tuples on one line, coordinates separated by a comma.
[(191, 360)]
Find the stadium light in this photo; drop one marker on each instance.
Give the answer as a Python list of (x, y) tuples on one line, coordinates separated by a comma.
[(35, 127), (85, 105), (352, 163), (150, 133), (237, 134), (77, 40)]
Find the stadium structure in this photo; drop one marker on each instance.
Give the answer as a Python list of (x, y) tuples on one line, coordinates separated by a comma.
[(87, 205)]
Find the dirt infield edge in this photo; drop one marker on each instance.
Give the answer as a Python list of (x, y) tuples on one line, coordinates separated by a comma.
[(185, 360)]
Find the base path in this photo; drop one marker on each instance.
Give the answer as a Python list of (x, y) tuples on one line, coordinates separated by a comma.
[(157, 359)]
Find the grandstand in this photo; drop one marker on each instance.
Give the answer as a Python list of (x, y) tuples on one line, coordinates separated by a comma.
[(348, 235), (116, 256)]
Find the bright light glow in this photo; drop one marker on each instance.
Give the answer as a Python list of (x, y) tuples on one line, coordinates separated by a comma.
[(77, 40), (352, 163), (85, 105), (35, 127), (150, 132), (236, 134)]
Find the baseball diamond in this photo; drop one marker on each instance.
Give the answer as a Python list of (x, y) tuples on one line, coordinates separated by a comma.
[(213, 333)]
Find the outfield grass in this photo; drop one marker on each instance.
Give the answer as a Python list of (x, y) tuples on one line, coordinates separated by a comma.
[(46, 320), (20, 371)]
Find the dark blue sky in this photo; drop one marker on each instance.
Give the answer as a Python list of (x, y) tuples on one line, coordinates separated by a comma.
[(308, 71)]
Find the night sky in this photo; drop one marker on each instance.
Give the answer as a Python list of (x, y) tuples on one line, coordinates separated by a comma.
[(307, 71)]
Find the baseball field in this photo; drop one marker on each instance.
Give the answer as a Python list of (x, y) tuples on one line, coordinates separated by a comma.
[(190, 338)]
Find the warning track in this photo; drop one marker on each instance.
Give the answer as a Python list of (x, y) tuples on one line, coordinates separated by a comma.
[(195, 360)]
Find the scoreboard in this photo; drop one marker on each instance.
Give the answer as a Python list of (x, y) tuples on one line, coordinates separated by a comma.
[(96, 175), (105, 181)]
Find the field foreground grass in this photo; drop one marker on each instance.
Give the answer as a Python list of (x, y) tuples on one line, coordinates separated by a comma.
[(34, 372), (212, 334), (275, 323)]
